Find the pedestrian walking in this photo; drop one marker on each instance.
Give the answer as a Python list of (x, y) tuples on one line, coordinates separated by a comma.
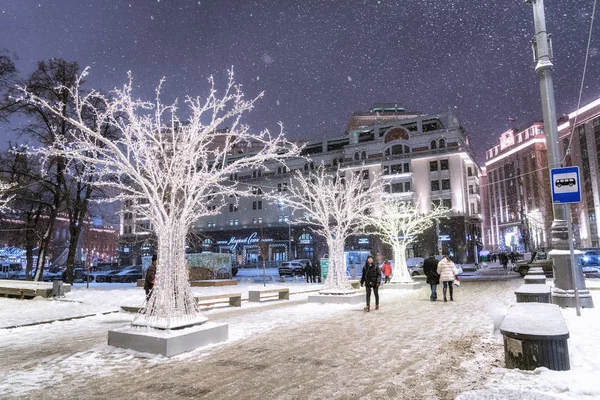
[(371, 279), (447, 271), (504, 260), (150, 278), (433, 278), (316, 272), (386, 269), (310, 278)]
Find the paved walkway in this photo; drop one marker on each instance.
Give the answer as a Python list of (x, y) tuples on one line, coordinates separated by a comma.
[(410, 349)]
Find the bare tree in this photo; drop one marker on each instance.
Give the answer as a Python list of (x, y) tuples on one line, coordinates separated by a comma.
[(399, 222), (33, 200), (173, 168), (48, 82), (5, 195), (334, 205), (8, 75)]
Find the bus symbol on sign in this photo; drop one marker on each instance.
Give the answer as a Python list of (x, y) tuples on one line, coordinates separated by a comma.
[(565, 185), (565, 181)]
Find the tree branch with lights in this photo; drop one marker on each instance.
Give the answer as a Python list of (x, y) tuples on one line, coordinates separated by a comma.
[(334, 204), (170, 167), (399, 222)]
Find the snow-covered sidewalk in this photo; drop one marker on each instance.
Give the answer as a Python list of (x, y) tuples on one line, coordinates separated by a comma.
[(410, 349)]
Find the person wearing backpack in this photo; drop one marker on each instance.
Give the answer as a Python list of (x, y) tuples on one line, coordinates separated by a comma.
[(371, 279)]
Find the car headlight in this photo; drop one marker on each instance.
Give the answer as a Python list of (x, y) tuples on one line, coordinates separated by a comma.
[(585, 258)]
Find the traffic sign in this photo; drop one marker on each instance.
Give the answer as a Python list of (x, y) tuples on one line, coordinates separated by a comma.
[(566, 186)]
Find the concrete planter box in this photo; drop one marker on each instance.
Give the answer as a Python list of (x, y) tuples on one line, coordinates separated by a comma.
[(168, 343)]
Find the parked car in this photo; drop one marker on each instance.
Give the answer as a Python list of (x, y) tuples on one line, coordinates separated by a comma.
[(291, 268), (129, 274), (106, 276), (52, 275), (17, 275), (415, 266), (522, 267), (591, 258)]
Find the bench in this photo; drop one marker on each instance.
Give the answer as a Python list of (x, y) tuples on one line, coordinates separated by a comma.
[(533, 293), (235, 299), (255, 295), (28, 289), (131, 309), (535, 335), (535, 279)]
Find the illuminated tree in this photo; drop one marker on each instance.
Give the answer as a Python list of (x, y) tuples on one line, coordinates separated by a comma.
[(333, 204), (399, 222), (172, 169)]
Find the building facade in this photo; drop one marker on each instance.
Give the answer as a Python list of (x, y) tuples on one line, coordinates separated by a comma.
[(96, 244), (580, 144), (516, 192), (423, 158)]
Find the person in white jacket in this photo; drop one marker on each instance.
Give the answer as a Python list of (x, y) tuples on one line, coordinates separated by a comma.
[(447, 271)]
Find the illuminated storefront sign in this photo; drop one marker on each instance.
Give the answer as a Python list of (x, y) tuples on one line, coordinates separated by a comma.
[(251, 239)]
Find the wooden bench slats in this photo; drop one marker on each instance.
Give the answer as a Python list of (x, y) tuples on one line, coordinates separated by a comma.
[(255, 295), (235, 299)]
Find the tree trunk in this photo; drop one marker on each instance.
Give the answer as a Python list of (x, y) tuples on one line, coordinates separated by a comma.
[(44, 245), (336, 277), (172, 301), (77, 216), (400, 273), (29, 246)]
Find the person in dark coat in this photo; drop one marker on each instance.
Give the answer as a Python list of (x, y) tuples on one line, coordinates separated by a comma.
[(308, 272), (316, 271), (433, 279), (371, 278), (150, 278), (504, 260)]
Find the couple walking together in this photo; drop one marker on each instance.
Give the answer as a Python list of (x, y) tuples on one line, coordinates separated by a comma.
[(444, 271)]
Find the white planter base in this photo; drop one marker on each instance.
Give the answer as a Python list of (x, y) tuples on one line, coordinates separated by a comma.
[(168, 343), (356, 298)]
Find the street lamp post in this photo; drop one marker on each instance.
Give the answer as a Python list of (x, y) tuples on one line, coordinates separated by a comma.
[(566, 292)]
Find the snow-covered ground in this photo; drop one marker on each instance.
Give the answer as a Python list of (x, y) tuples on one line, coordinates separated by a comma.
[(412, 348)]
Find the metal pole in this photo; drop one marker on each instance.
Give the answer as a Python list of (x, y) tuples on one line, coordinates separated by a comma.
[(561, 231), (543, 70), (291, 257), (573, 264)]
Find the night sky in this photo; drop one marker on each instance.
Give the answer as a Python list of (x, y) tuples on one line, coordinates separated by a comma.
[(320, 60)]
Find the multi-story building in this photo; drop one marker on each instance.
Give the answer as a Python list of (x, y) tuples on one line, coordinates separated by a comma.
[(580, 144), (96, 244), (517, 201), (423, 158)]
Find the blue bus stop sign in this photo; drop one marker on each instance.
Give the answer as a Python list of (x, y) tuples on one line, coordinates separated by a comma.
[(566, 187)]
